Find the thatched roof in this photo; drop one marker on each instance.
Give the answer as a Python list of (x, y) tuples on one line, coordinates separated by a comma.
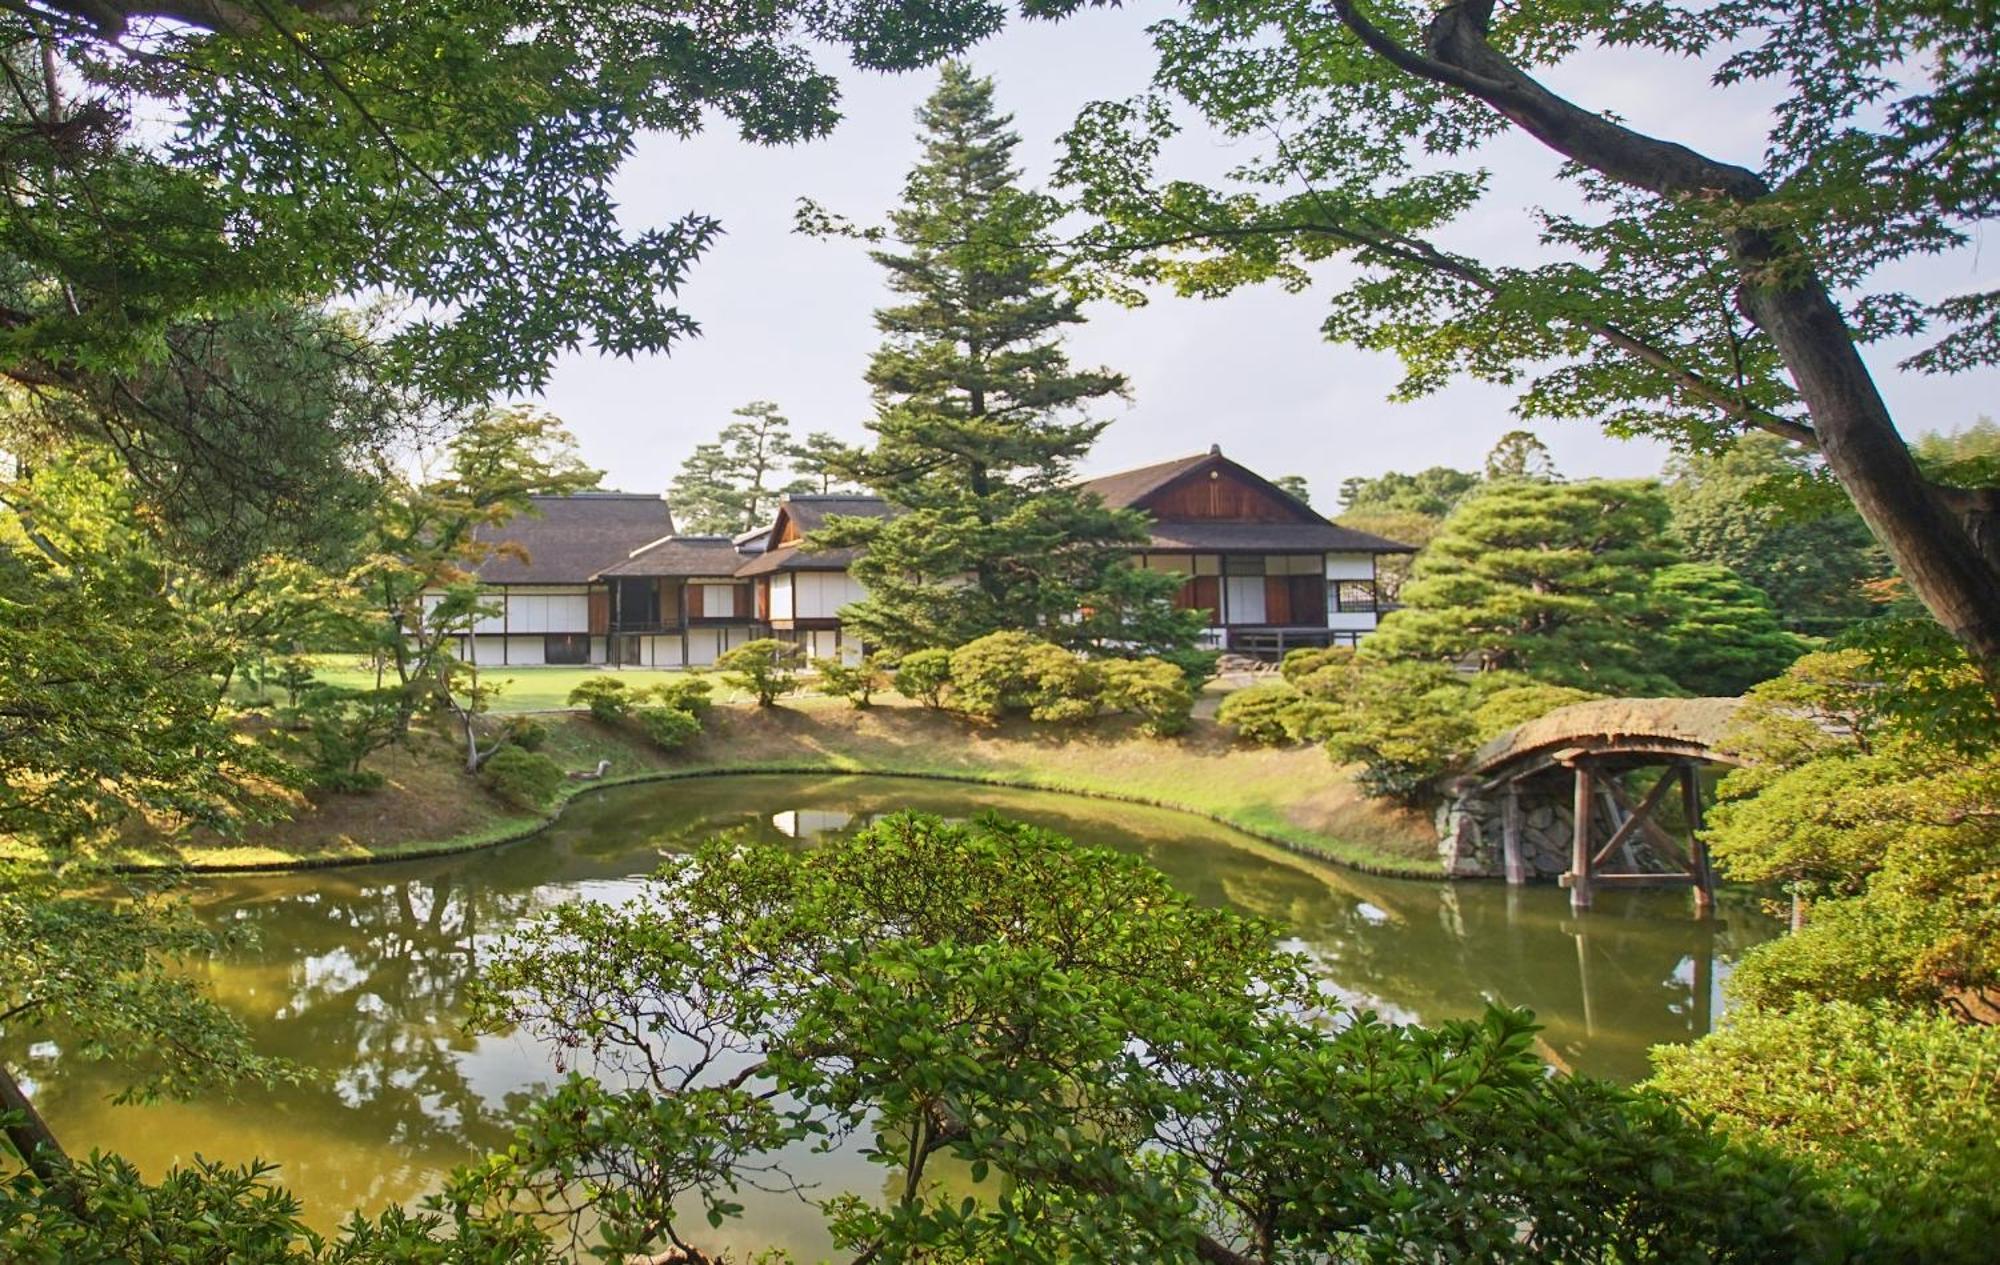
[(1698, 722), (568, 539)]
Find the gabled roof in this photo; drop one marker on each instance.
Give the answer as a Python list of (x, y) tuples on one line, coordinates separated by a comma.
[(569, 539), (679, 556), (1128, 487), (806, 513), (809, 512), (1313, 532), (1133, 489)]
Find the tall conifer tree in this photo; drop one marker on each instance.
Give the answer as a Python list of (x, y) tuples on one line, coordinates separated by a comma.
[(980, 418)]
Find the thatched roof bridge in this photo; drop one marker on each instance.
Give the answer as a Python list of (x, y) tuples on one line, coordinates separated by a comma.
[(1563, 781), (1644, 730)]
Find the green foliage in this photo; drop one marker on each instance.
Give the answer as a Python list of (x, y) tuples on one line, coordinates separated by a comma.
[(114, 664), (933, 992), (1368, 132), (923, 676), (1013, 673), (1404, 724), (1154, 688), (668, 728), (1500, 702), (439, 179), (764, 668), (1521, 454), (1748, 508), (1431, 493), (1880, 824), (608, 698), (525, 779), (1898, 1111), (688, 694), (1300, 665), (1257, 713), (1722, 635), (732, 485), (1551, 579), (978, 422), (527, 733), (856, 682), (100, 1211)]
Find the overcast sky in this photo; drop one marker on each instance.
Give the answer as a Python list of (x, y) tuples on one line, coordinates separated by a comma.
[(787, 318)]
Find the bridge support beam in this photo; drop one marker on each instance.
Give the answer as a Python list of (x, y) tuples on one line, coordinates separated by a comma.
[(1580, 859)]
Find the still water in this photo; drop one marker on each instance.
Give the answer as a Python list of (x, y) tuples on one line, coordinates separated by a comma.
[(357, 973)]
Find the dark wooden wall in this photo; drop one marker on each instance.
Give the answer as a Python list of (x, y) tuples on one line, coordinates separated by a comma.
[(1225, 498)]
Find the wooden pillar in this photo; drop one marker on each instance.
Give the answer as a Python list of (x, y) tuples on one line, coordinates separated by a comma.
[(1510, 837), (1704, 877), (1579, 857)]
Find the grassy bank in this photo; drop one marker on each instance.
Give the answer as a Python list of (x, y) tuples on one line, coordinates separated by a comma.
[(428, 805)]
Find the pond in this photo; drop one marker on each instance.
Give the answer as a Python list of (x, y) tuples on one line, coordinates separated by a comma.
[(358, 973)]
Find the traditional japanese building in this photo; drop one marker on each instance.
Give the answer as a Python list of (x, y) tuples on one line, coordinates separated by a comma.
[(601, 577), (1271, 572)]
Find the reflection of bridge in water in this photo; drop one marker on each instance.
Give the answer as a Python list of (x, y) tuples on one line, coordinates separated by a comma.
[(1560, 797)]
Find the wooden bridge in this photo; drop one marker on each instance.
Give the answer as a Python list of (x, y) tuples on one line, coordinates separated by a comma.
[(1568, 774)]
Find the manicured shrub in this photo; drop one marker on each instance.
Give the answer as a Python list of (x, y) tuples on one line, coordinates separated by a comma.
[(688, 694), (765, 668), (607, 698), (1061, 686), (527, 733), (1257, 713), (1154, 688), (1198, 666), (667, 728), (1900, 1111), (1304, 662), (1405, 724), (855, 682), (525, 779), (923, 676), (992, 676), (1502, 709)]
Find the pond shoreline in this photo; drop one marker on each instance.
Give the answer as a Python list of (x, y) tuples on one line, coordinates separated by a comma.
[(529, 829), (1287, 798)]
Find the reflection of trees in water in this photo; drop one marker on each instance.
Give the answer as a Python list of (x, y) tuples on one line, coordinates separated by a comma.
[(361, 972)]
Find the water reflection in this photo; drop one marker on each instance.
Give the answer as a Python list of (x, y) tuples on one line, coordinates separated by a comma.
[(359, 973)]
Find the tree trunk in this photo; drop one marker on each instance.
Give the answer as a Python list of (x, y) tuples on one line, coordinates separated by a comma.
[(1946, 542), (29, 1134)]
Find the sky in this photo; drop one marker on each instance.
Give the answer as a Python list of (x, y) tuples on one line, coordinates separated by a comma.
[(788, 318)]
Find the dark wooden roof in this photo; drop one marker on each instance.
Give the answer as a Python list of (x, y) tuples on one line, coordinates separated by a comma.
[(680, 556), (569, 539), (1311, 532), (1128, 487), (1209, 537), (809, 512), (799, 558)]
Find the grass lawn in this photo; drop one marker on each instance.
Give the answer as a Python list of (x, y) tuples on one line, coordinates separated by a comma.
[(1292, 796), (521, 689)]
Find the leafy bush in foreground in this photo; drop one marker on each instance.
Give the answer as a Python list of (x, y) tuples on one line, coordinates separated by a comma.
[(525, 779), (982, 988), (1900, 1111)]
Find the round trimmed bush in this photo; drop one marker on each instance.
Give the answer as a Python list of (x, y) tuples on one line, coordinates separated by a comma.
[(525, 779), (1258, 713), (667, 727)]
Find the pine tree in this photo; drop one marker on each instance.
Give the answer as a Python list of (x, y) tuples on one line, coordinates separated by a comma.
[(818, 460), (1551, 579), (1722, 634), (980, 416), (733, 485)]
